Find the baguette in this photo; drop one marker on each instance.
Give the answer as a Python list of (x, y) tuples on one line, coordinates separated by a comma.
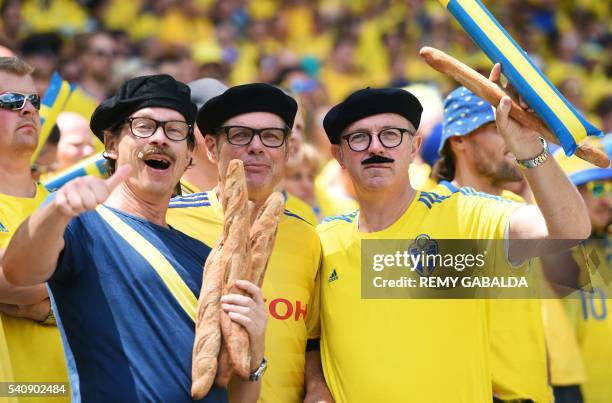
[(224, 368), (262, 236), (491, 93), (235, 258), (208, 332)]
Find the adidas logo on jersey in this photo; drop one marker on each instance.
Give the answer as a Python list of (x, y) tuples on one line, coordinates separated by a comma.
[(3, 228), (333, 276)]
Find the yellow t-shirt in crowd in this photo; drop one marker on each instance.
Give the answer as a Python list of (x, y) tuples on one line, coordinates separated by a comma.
[(518, 347), (35, 352), (590, 313), (406, 350), (301, 208), (292, 203), (288, 288), (566, 364)]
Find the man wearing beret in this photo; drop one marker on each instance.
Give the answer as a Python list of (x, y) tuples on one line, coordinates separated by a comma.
[(418, 350), (251, 122), (123, 282), (474, 154)]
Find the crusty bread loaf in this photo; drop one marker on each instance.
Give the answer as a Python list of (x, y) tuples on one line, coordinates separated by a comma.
[(221, 345), (262, 236), (235, 258), (224, 368), (208, 332), (228, 256)]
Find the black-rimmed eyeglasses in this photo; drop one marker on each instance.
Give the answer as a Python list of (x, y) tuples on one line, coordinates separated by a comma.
[(390, 137), (175, 130), (272, 137), (16, 101)]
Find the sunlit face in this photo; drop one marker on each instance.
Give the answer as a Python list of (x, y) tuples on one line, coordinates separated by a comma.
[(19, 129), (297, 135), (490, 156), (264, 166), (367, 170), (598, 199), (300, 182), (76, 141), (157, 162), (100, 55)]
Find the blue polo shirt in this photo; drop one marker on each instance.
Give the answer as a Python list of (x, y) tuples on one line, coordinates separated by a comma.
[(125, 336)]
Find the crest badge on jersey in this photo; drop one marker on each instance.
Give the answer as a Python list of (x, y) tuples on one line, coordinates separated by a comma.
[(423, 246)]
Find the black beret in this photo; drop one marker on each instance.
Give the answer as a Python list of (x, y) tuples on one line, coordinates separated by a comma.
[(256, 97), (368, 102), (160, 91)]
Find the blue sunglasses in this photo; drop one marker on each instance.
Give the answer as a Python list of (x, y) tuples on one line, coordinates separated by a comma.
[(16, 101)]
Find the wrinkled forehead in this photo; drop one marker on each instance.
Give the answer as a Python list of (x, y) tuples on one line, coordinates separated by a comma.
[(157, 113), (256, 120), (378, 122), (14, 83)]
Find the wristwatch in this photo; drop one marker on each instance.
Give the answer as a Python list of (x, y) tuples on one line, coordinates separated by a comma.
[(258, 373), (537, 160)]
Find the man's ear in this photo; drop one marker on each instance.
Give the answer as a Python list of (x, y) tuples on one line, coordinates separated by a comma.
[(338, 154), (458, 144), (211, 148), (417, 142), (110, 145)]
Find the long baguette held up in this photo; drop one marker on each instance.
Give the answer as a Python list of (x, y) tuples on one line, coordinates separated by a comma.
[(235, 257), (263, 234), (490, 92), (208, 332)]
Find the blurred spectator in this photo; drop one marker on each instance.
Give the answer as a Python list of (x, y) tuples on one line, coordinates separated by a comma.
[(12, 23), (300, 175), (42, 52), (75, 141), (202, 173), (179, 65), (604, 110), (65, 17), (340, 74), (96, 52)]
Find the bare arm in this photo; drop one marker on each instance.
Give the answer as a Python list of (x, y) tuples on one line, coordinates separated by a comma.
[(561, 213), (316, 387), (37, 312), (250, 312), (10, 294), (32, 254)]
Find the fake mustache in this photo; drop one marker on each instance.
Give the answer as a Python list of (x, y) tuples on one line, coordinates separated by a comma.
[(376, 159), (156, 150)]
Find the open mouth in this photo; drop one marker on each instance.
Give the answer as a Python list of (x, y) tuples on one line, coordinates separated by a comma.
[(157, 163)]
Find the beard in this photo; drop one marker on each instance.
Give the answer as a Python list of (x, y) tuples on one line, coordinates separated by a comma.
[(499, 172)]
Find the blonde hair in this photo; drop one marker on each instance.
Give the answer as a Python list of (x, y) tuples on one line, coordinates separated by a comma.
[(16, 66), (306, 155)]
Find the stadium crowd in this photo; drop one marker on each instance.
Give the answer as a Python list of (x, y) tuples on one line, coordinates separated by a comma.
[(455, 175)]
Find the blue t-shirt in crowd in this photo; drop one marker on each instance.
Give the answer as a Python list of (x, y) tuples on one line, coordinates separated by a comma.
[(125, 336)]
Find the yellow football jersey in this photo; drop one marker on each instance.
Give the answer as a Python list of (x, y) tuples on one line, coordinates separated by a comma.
[(301, 208), (188, 188), (590, 313), (566, 364), (35, 352), (406, 350), (288, 288), (518, 348), (292, 202)]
